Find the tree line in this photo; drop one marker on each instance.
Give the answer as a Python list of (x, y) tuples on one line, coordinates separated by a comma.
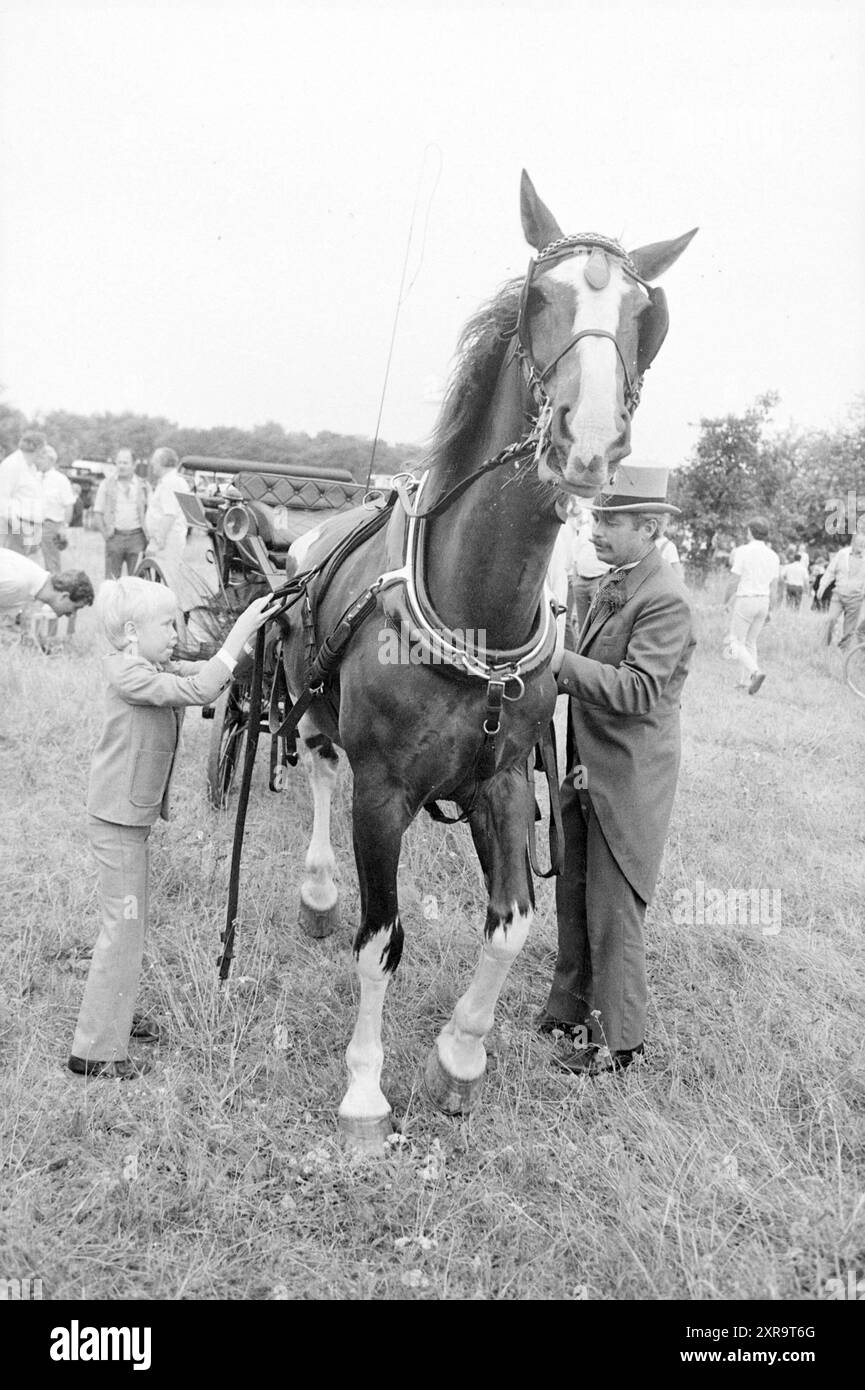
[(98, 437), (809, 484)]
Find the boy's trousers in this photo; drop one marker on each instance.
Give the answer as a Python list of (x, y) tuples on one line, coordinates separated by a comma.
[(123, 855)]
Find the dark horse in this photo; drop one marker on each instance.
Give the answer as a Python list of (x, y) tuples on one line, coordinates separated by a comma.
[(538, 408)]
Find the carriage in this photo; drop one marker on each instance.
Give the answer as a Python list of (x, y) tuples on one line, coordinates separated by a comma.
[(250, 523)]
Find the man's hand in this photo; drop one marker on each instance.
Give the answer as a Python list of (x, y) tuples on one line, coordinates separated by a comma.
[(559, 649)]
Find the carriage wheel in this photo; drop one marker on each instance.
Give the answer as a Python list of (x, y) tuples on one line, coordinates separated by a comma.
[(227, 743), (854, 669), (150, 568)]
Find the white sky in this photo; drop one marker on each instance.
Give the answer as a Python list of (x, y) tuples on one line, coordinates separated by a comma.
[(204, 209)]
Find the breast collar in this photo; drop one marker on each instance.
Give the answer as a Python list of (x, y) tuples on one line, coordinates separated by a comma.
[(406, 603)]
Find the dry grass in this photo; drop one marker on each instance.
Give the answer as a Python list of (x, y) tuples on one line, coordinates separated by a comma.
[(730, 1166)]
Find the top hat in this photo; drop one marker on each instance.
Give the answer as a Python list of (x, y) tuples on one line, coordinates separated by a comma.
[(636, 489)]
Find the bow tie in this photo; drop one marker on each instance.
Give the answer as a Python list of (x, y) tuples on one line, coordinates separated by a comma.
[(610, 595)]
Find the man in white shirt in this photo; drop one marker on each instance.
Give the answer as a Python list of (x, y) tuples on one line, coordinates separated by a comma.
[(754, 582), (21, 494), (794, 578), (58, 499), (119, 510), (22, 581), (847, 569), (166, 524), (669, 553)]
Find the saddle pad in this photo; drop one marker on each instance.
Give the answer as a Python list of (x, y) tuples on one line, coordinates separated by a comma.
[(324, 535)]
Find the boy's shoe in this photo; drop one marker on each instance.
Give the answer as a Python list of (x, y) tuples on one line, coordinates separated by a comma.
[(122, 1070), (144, 1029), (756, 681)]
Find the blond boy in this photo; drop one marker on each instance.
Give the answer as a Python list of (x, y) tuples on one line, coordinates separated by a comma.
[(130, 777)]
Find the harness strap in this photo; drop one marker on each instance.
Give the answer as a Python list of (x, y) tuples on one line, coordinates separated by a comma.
[(252, 731), (401, 483), (545, 756)]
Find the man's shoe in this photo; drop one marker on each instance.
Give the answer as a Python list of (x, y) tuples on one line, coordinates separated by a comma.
[(756, 681), (122, 1070), (618, 1061), (576, 1060), (144, 1029), (588, 1061)]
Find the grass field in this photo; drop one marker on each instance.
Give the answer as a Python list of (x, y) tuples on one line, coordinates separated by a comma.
[(731, 1165)]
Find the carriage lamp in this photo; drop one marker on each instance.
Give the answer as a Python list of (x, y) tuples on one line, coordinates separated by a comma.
[(239, 522)]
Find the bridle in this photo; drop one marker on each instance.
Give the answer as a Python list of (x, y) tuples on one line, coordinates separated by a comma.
[(536, 378), (654, 323)]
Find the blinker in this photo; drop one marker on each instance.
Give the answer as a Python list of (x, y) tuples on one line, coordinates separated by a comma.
[(597, 270)]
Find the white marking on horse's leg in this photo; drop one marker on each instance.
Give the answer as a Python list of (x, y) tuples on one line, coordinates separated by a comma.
[(364, 1100), (461, 1042), (318, 889)]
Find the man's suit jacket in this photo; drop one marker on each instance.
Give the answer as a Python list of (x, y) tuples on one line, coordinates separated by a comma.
[(130, 774), (626, 680)]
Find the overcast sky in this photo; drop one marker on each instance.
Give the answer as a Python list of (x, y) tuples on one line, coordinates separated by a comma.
[(205, 208)]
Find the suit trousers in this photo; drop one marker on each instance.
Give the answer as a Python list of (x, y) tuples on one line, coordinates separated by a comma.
[(122, 854), (601, 964)]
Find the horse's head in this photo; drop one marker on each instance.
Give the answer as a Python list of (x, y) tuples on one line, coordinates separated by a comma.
[(589, 326)]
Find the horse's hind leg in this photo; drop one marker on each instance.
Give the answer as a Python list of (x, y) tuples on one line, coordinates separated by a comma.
[(379, 817), (456, 1064), (319, 914)]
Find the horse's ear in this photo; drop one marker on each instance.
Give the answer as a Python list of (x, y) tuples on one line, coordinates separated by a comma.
[(539, 224), (652, 261)]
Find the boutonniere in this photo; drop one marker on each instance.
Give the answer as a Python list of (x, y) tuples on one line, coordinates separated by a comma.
[(611, 595)]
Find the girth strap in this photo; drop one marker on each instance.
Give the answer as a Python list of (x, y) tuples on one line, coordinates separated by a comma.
[(545, 760)]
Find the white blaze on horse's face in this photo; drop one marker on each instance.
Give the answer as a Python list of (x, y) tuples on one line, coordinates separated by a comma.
[(590, 425)]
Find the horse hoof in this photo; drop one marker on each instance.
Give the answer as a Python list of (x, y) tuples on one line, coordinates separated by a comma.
[(317, 923), (363, 1135), (447, 1092)]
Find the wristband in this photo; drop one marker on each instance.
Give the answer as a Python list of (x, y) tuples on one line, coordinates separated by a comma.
[(229, 660)]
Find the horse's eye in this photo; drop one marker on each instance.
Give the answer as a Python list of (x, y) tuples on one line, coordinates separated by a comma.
[(537, 300)]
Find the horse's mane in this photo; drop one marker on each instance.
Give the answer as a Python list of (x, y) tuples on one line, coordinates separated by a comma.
[(480, 351)]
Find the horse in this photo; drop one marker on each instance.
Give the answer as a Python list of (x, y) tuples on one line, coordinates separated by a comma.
[(538, 409)]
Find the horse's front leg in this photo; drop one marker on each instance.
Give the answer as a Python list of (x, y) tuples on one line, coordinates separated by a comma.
[(456, 1064), (318, 914), (379, 817)]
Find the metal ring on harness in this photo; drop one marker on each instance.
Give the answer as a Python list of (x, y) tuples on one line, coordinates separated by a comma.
[(521, 692)]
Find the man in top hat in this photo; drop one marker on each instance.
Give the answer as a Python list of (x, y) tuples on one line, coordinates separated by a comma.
[(625, 681)]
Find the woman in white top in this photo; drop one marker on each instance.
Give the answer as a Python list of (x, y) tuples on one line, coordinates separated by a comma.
[(754, 582)]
